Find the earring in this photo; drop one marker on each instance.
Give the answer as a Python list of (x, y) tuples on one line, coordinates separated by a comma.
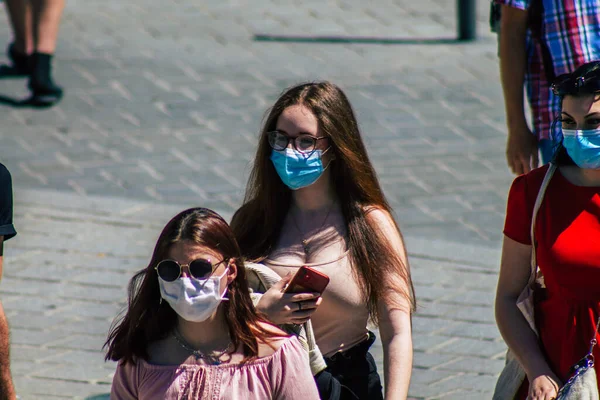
[(160, 301)]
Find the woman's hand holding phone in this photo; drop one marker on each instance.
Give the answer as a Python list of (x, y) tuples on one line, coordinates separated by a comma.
[(288, 308)]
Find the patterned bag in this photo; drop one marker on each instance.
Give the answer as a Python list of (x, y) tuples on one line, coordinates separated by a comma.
[(583, 385)]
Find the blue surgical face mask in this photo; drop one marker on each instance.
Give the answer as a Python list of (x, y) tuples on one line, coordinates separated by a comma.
[(583, 146), (297, 170)]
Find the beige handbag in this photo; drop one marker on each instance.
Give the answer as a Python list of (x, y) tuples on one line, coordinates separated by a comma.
[(512, 376)]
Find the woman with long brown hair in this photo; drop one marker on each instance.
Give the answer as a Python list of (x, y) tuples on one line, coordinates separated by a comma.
[(179, 338), (313, 199)]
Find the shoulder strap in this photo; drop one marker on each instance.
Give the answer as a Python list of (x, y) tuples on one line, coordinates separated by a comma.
[(536, 208), (536, 17)]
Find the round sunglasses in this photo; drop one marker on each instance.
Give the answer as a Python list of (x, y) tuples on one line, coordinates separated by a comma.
[(170, 270)]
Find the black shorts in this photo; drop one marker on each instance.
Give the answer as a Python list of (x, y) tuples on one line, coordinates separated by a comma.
[(351, 375)]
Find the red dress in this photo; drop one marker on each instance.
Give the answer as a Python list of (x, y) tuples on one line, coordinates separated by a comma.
[(568, 253)]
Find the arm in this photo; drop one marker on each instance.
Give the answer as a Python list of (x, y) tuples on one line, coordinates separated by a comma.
[(6, 386), (521, 149), (396, 338), (514, 276), (394, 317)]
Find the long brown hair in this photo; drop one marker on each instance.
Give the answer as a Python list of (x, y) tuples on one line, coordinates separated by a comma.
[(147, 319), (257, 224)]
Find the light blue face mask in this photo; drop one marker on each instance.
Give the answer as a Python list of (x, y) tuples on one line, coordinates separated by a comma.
[(297, 170), (583, 146)]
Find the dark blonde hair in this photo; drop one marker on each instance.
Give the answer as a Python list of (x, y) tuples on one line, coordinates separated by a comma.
[(147, 319), (257, 224)]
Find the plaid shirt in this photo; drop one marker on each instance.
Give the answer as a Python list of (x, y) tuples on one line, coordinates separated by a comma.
[(571, 30)]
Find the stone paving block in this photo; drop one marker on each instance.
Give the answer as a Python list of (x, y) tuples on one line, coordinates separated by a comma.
[(472, 297), (46, 388), (88, 309), (28, 353), (473, 364), (434, 293), (470, 347), (471, 381), (477, 281), (76, 357), (427, 325), (487, 331), (467, 395), (430, 343), (88, 326), (16, 286), (35, 304), (35, 321), (432, 391), (95, 293), (426, 377), (83, 373), (423, 362), (104, 278), (28, 337), (79, 342)]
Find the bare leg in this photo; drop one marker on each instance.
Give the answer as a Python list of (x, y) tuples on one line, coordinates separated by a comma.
[(7, 391), (21, 20), (46, 20)]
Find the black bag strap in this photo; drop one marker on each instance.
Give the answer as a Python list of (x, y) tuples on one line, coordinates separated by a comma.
[(536, 208), (536, 16)]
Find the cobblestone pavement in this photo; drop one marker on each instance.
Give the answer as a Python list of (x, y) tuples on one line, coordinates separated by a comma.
[(164, 102)]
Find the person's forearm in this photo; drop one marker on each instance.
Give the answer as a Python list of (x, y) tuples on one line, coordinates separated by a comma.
[(6, 386), (397, 365), (519, 337), (513, 65)]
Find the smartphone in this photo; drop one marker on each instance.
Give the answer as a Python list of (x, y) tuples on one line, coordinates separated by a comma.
[(307, 280)]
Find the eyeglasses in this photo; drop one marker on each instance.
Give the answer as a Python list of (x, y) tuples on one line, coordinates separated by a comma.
[(565, 84), (303, 143), (170, 270)]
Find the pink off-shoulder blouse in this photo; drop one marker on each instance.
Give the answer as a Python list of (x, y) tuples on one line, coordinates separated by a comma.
[(284, 375)]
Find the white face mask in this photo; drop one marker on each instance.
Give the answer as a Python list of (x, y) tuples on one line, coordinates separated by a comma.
[(195, 300)]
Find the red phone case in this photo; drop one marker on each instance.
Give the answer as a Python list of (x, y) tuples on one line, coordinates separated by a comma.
[(307, 280)]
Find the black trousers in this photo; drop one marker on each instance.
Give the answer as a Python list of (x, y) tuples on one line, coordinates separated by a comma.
[(351, 375)]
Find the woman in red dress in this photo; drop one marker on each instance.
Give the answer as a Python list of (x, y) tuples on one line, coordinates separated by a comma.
[(567, 235)]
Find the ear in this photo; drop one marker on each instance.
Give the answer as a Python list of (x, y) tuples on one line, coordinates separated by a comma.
[(232, 270)]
